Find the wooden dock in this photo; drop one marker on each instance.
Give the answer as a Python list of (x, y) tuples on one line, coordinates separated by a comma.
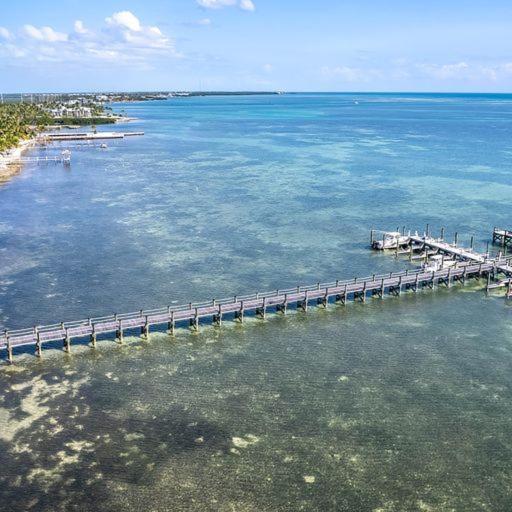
[(439, 246), (54, 137), (502, 237), (357, 289), (42, 159), (504, 283), (427, 246), (467, 264)]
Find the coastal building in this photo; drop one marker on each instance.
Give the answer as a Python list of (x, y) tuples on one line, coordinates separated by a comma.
[(76, 112)]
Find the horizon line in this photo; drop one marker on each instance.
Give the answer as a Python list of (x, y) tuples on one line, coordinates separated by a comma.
[(249, 91)]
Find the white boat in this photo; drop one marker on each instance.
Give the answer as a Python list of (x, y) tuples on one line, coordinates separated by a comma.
[(391, 240), (438, 262)]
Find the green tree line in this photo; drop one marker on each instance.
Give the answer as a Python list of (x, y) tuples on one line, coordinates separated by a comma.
[(19, 121)]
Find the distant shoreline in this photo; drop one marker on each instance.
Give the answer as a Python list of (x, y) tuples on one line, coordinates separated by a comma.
[(137, 97), (74, 123), (10, 166), (9, 159)]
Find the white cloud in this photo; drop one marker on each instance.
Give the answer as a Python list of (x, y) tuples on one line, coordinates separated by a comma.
[(204, 21), (125, 26), (215, 4), (44, 34), (155, 31), (4, 33), (246, 5), (445, 71), (11, 50), (350, 74), (125, 19), (474, 72), (268, 68), (123, 39), (507, 67), (80, 28), (400, 70), (103, 54), (150, 37)]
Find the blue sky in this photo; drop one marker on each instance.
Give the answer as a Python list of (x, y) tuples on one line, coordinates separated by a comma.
[(291, 45)]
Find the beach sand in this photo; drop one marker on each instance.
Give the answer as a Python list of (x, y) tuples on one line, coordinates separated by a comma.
[(9, 165)]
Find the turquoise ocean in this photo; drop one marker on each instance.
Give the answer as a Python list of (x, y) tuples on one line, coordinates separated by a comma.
[(403, 404)]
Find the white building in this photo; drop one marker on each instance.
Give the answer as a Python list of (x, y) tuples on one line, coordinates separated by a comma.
[(78, 112)]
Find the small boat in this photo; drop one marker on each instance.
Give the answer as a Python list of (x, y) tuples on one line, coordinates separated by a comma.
[(103, 146), (391, 240), (438, 262)]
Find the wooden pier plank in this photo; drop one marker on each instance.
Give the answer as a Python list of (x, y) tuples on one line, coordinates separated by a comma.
[(253, 302), (468, 264)]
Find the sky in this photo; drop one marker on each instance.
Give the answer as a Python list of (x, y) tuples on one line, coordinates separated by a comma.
[(288, 45)]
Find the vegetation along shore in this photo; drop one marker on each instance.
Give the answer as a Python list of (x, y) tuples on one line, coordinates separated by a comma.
[(20, 123), (23, 116)]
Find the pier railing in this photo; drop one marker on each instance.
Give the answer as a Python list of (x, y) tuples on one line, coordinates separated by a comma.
[(465, 264), (342, 290)]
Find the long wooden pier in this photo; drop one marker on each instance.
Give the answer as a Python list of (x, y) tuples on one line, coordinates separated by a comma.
[(466, 265), (87, 136), (355, 289)]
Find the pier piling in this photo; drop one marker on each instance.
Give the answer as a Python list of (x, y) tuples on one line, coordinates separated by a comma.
[(463, 265)]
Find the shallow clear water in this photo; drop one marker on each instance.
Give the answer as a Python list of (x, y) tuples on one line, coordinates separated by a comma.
[(401, 404)]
